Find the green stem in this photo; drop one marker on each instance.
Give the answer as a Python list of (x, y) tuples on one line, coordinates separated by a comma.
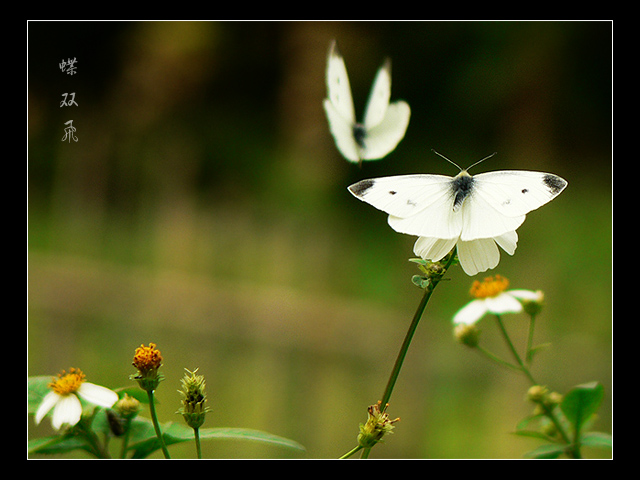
[(405, 346), (125, 440), (496, 359), (529, 356), (514, 352), (574, 451), (84, 428), (196, 433), (156, 425), (351, 452), (412, 329), (395, 372)]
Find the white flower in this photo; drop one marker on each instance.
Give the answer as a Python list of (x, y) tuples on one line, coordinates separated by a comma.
[(474, 256), (491, 296), (64, 400)]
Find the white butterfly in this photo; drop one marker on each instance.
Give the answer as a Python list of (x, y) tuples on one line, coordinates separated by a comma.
[(473, 212), (384, 123)]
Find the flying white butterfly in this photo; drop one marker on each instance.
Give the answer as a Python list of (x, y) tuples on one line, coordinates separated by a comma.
[(384, 123), (473, 212)]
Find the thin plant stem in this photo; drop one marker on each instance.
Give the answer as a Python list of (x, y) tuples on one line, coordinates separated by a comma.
[(351, 452), (395, 372), (125, 440), (412, 329), (156, 425), (495, 358), (514, 352), (405, 346), (529, 355), (196, 434), (574, 452)]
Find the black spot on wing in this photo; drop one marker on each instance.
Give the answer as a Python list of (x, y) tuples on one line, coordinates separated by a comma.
[(554, 183), (360, 188)]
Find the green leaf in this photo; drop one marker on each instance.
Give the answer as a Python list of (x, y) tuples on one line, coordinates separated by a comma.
[(597, 440), (419, 261), (143, 441), (37, 388), (581, 403), (549, 450), (58, 444), (420, 281), (134, 392), (223, 433)]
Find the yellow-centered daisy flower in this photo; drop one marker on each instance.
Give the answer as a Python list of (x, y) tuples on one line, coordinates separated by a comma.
[(492, 296), (63, 398)]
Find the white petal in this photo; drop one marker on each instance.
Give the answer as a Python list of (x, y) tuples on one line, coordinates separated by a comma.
[(67, 410), (49, 400), (526, 294), (97, 394), (503, 303), (471, 312), (433, 249), (508, 242), (478, 255)]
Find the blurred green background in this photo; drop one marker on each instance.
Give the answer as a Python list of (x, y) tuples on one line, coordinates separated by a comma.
[(204, 208)]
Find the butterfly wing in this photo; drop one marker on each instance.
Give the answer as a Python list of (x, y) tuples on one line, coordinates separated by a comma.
[(339, 105), (417, 204), (385, 124), (379, 97), (342, 131), (338, 88), (499, 201), (384, 137)]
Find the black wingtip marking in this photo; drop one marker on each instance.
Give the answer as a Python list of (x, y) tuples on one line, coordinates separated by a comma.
[(554, 183), (360, 188)]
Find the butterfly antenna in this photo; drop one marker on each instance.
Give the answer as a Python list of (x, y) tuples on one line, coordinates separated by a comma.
[(480, 161), (453, 163)]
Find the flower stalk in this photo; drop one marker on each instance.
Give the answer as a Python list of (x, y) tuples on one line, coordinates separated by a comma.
[(148, 360), (194, 407), (433, 274)]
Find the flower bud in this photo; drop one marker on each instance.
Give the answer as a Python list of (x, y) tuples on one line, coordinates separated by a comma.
[(533, 306), (193, 408), (537, 393), (377, 426), (127, 407), (148, 360), (468, 335)]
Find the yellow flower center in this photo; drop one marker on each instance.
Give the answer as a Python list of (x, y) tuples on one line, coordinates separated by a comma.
[(489, 287), (68, 382), (147, 358)]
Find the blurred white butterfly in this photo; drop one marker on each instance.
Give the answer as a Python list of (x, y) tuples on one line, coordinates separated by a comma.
[(473, 212), (384, 123)]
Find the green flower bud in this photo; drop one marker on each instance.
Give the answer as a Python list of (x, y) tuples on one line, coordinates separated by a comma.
[(193, 408), (377, 426), (468, 335)]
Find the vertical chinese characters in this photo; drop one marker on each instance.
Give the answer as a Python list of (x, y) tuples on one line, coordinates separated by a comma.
[(69, 99)]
